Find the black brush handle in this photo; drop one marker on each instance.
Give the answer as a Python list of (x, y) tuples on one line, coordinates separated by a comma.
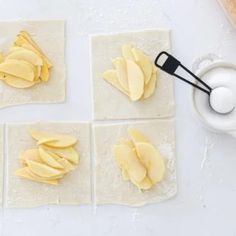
[(170, 66)]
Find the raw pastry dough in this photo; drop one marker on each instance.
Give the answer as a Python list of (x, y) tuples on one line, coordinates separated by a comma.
[(108, 102), (110, 187), (1, 161), (74, 188), (49, 35)]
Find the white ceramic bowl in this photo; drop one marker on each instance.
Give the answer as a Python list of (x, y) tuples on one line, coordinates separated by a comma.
[(217, 122)]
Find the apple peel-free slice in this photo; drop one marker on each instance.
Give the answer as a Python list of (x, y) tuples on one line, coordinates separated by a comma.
[(44, 76), (37, 73), (15, 48), (33, 67), (150, 87), (127, 158), (42, 170), (30, 154), (120, 65), (144, 62), (127, 52), (43, 178), (26, 55), (46, 140), (22, 42), (69, 153), (137, 136), (25, 41), (152, 160), (111, 77), (25, 35), (23, 173), (61, 141), (135, 80), (17, 68), (16, 82), (48, 159), (65, 163)]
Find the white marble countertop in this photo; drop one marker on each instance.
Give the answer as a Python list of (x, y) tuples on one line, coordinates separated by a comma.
[(205, 204)]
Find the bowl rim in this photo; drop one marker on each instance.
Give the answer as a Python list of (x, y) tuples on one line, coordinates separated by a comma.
[(200, 72)]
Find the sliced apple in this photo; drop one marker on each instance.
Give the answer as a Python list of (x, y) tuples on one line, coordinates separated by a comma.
[(30, 56), (150, 87), (24, 44), (54, 157), (152, 160), (127, 52), (21, 41), (17, 68), (30, 154), (67, 166), (144, 62), (134, 74), (34, 68), (43, 170), (14, 48), (34, 44), (61, 141), (127, 159), (38, 135), (69, 153), (43, 178), (16, 82), (137, 136), (38, 73), (135, 80), (48, 159), (44, 76), (26, 55), (120, 65), (111, 77), (46, 140), (22, 172)]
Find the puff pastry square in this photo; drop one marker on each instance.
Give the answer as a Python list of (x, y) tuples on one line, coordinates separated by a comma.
[(108, 102), (73, 189), (49, 35), (110, 187)]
